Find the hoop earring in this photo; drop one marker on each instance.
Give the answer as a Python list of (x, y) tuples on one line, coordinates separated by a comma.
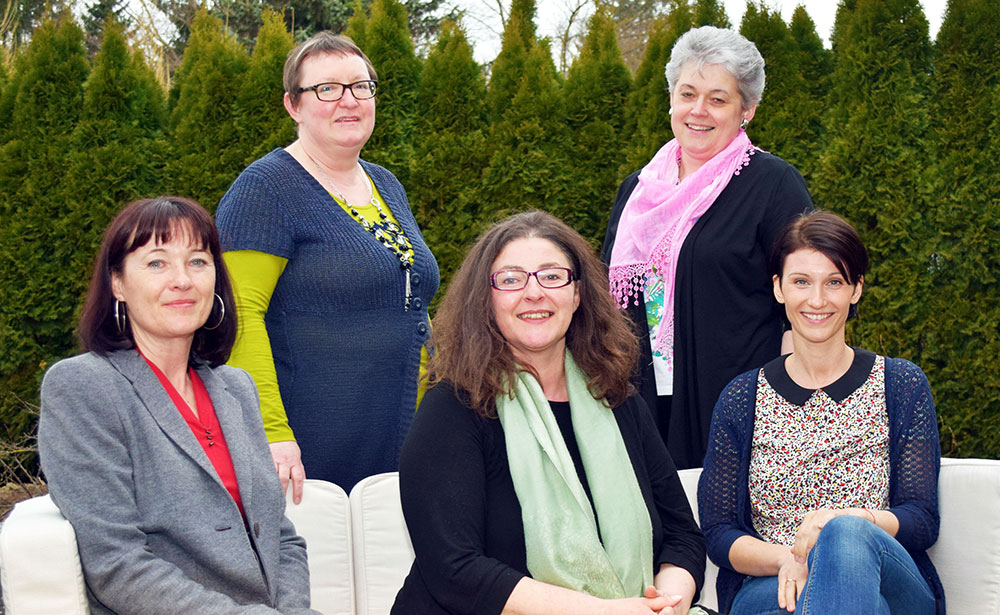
[(222, 316), (121, 317), (744, 124)]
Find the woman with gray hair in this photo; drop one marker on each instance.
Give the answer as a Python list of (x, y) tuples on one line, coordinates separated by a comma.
[(688, 239)]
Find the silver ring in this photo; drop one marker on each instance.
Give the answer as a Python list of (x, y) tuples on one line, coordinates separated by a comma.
[(789, 580)]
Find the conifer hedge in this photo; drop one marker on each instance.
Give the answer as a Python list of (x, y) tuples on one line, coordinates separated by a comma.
[(897, 134)]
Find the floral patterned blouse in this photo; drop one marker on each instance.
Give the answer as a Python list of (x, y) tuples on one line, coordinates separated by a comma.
[(823, 448)]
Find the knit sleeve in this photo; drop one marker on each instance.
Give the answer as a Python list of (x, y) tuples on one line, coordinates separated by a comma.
[(254, 275), (915, 455), (723, 479), (253, 214)]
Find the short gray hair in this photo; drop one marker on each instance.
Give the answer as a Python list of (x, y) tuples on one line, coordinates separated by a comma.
[(727, 48)]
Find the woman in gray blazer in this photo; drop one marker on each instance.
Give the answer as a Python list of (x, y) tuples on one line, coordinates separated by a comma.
[(153, 449)]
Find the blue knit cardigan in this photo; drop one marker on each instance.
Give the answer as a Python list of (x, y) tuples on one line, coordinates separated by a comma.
[(914, 458), (346, 352)]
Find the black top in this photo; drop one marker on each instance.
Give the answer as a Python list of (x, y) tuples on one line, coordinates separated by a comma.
[(726, 320), (464, 518), (839, 390)]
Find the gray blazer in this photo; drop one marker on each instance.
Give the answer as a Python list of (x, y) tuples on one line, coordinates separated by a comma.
[(157, 531)]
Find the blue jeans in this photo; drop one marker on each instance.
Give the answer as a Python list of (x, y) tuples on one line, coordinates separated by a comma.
[(855, 568)]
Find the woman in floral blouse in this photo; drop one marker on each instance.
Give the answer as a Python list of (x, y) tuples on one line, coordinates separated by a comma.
[(819, 493)]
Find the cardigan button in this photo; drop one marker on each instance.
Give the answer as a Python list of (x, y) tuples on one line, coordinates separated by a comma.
[(414, 278), (417, 303), (422, 328)]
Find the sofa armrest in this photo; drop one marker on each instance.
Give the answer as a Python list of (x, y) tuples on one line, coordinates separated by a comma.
[(383, 553), (323, 519), (39, 563), (967, 551), (689, 480)]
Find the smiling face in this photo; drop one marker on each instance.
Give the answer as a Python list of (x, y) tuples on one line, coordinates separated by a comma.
[(707, 111), (341, 124), (168, 289), (817, 297), (534, 320)]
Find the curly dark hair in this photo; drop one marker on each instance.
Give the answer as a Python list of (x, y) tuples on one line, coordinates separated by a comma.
[(472, 354)]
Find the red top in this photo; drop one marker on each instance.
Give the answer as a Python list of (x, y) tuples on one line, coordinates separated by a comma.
[(206, 429)]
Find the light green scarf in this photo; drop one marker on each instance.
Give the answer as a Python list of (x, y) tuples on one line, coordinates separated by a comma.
[(560, 532)]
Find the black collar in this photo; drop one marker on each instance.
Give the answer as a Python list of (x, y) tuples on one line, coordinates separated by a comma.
[(856, 375)]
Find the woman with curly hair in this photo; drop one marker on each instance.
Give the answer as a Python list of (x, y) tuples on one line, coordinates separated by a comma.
[(533, 479)]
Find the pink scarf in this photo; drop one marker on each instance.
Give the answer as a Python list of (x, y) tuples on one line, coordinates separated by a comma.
[(657, 218)]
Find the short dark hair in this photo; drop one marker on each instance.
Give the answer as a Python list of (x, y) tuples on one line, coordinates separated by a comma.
[(472, 354), (828, 234), (156, 218), (321, 43)]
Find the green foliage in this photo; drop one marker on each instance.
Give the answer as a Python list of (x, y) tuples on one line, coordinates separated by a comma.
[(527, 138), (647, 117), (710, 13), (508, 67), (815, 67), (633, 20), (450, 152), (115, 158), (25, 16), (357, 26), (79, 142), (240, 18), (872, 172), (206, 148), (93, 21), (259, 111), (312, 16), (815, 61), (390, 49), (36, 312), (963, 317), (426, 21), (789, 118), (9, 83), (595, 93)]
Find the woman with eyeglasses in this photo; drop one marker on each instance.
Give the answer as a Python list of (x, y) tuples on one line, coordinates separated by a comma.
[(332, 278), (533, 480)]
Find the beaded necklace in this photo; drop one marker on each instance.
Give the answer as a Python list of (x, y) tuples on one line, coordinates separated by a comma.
[(387, 232)]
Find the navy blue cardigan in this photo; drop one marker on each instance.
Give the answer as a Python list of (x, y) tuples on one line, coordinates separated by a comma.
[(914, 458), (346, 353)]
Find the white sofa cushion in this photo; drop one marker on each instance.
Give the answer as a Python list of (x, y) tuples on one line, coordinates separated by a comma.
[(360, 552), (689, 479), (323, 518), (967, 552), (383, 553), (39, 562)]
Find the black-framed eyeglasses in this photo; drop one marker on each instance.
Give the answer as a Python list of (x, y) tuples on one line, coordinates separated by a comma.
[(331, 90), (516, 279)]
